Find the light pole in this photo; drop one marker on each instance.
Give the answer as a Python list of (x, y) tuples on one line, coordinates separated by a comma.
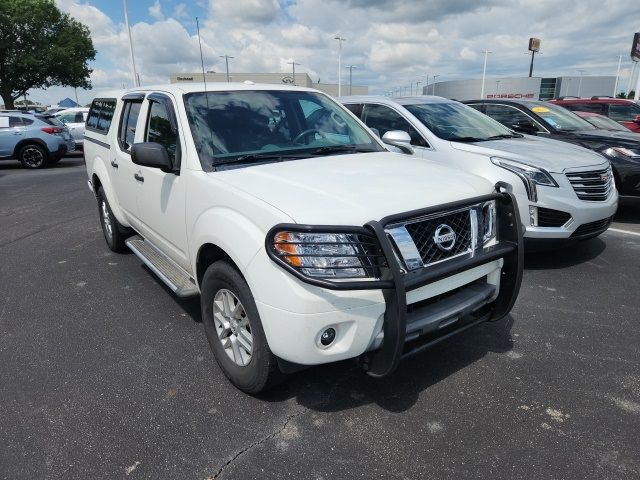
[(417, 84), (136, 81), (580, 82), (226, 61), (497, 86), (615, 88), (350, 67), (484, 71), (340, 40), (434, 84), (293, 66)]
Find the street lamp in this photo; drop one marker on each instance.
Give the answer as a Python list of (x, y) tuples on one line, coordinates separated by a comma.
[(293, 65), (484, 71), (434, 84), (226, 60), (340, 40), (350, 67), (615, 88)]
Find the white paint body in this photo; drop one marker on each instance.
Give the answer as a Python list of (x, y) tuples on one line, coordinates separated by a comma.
[(556, 157), (234, 209)]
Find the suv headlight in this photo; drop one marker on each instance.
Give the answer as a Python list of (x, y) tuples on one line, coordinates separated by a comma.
[(327, 255), (530, 176), (622, 152)]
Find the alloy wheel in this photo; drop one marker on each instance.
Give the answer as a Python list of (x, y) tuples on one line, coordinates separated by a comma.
[(233, 327)]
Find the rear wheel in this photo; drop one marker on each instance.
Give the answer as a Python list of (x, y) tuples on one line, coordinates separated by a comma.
[(234, 330), (33, 156), (114, 232)]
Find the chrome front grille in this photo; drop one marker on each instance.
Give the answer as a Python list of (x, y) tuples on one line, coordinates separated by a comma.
[(593, 185), (438, 237), (423, 234)]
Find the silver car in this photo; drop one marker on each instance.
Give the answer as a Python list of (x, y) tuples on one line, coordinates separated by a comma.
[(74, 119)]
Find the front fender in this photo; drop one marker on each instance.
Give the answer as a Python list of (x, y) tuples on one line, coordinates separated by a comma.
[(230, 230)]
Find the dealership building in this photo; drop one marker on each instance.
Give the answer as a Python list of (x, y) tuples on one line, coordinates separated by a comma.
[(533, 88), (302, 80)]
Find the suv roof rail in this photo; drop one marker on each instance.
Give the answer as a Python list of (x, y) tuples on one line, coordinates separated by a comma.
[(598, 97), (567, 97)]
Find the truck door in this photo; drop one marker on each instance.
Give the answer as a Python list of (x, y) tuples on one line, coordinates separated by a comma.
[(161, 195)]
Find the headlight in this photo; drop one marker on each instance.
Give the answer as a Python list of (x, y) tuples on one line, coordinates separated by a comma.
[(621, 152), (530, 176), (327, 255)]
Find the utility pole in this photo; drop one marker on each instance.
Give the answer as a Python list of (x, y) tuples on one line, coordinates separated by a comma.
[(134, 73), (340, 40), (75, 89), (615, 88), (226, 61), (293, 66), (434, 84), (350, 67), (636, 95), (533, 54), (417, 84), (484, 72), (631, 74)]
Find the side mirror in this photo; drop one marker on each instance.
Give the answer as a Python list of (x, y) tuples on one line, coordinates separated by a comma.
[(524, 126), (636, 119), (398, 139), (151, 154)]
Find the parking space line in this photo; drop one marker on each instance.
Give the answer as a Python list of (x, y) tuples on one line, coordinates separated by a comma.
[(623, 231)]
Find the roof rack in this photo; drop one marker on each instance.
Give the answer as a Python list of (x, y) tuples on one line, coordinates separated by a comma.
[(568, 97), (598, 97)]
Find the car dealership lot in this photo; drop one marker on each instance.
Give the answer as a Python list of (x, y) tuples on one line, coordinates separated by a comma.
[(105, 374)]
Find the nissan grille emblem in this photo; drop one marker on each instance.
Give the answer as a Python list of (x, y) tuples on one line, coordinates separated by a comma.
[(445, 237)]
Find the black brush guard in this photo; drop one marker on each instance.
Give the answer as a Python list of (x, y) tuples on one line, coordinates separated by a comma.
[(395, 283)]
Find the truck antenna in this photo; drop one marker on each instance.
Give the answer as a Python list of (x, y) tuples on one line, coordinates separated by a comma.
[(204, 75)]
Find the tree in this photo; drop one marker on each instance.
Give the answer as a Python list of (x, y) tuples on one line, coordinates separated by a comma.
[(622, 95), (41, 47), (631, 94)]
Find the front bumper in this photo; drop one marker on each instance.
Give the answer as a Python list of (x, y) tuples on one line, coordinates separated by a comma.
[(401, 313)]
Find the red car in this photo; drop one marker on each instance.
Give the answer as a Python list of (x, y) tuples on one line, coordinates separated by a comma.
[(625, 112)]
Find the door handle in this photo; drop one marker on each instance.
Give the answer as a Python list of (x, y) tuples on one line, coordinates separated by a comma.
[(17, 133), (114, 164), (138, 177)]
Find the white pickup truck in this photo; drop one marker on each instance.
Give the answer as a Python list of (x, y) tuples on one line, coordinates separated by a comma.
[(307, 241)]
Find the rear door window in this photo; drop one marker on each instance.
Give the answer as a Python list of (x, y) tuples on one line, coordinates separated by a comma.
[(128, 122), (623, 112)]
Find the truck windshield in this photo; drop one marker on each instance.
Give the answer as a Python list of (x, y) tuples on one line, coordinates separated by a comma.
[(458, 123), (558, 117), (245, 127)]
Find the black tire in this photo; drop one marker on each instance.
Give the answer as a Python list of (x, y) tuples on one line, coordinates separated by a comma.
[(33, 156), (115, 234), (261, 372)]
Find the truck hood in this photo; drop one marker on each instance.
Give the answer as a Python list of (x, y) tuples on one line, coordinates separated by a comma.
[(552, 155), (356, 188)]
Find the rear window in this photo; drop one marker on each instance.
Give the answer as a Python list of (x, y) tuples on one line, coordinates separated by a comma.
[(101, 115), (50, 120)]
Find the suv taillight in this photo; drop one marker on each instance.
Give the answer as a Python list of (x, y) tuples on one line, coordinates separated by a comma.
[(51, 130)]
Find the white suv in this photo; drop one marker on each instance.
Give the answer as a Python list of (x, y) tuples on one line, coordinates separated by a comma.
[(74, 119), (564, 192), (307, 241)]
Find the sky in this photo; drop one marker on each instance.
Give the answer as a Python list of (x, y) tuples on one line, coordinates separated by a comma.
[(391, 43)]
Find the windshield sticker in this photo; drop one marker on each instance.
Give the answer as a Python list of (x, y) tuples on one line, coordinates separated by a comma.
[(540, 109), (551, 121)]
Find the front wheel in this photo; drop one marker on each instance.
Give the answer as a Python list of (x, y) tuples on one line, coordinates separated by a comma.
[(234, 330)]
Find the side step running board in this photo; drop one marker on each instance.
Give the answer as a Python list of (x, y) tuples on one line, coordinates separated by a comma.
[(166, 269)]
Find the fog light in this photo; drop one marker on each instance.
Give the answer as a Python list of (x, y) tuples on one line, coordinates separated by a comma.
[(533, 215), (328, 336)]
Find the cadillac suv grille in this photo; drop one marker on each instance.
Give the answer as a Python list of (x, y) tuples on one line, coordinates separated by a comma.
[(594, 185), (423, 233)]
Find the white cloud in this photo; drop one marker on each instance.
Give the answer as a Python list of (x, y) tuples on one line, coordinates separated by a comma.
[(155, 11), (467, 54)]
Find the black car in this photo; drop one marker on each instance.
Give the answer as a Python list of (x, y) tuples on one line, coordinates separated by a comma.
[(544, 118)]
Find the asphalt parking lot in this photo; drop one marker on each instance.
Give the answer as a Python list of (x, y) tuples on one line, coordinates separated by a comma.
[(104, 374)]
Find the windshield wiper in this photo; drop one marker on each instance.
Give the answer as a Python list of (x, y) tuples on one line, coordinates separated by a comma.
[(505, 135), (340, 149), (466, 139), (257, 157)]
